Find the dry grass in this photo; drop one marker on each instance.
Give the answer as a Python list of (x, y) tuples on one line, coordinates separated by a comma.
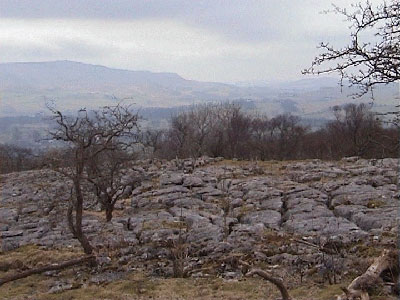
[(32, 255), (133, 286), (137, 285), (28, 257)]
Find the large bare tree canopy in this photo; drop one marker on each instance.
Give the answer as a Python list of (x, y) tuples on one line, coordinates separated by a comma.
[(96, 146), (372, 55), (99, 130)]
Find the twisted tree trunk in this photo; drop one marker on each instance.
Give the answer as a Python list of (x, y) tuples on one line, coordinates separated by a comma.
[(78, 230), (275, 280)]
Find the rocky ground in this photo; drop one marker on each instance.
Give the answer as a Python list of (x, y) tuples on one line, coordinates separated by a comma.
[(315, 223)]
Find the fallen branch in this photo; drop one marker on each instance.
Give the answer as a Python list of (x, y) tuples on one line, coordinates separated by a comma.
[(275, 280), (53, 267), (358, 288)]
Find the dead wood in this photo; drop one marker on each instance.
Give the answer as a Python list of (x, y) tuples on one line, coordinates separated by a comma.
[(278, 282), (52, 267), (358, 288)]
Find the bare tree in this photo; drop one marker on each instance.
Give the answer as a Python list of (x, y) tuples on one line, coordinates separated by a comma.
[(225, 130), (356, 128), (202, 118), (287, 135), (237, 129), (372, 55), (180, 134), (86, 136), (106, 173), (154, 139), (15, 159), (261, 138), (208, 129)]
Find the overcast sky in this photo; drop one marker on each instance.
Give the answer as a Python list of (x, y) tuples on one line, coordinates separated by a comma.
[(210, 40)]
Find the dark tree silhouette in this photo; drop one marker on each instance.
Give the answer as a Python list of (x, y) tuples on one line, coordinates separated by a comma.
[(372, 56), (90, 140), (355, 129), (15, 159)]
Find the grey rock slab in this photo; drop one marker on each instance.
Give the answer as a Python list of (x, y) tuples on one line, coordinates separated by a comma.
[(169, 190), (309, 210), (389, 162), (236, 194), (106, 277), (269, 218), (9, 245), (370, 219), (347, 211), (8, 215), (3, 227), (350, 159), (11, 233), (167, 199), (205, 232), (157, 235), (272, 204), (260, 195), (362, 198), (365, 171), (29, 225), (378, 180), (222, 221), (192, 218), (192, 181), (30, 209), (209, 191), (367, 222), (189, 203), (324, 226), (238, 202), (246, 232), (168, 179), (310, 194)]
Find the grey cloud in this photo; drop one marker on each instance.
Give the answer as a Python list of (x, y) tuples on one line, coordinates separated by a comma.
[(73, 49), (251, 20), (244, 39)]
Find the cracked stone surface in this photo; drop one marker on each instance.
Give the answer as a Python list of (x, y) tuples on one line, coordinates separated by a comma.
[(220, 207)]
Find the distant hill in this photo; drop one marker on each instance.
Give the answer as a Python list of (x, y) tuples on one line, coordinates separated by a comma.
[(26, 87), (69, 82), (69, 74)]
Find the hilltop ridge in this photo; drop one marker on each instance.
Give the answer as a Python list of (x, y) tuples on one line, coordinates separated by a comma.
[(26, 86)]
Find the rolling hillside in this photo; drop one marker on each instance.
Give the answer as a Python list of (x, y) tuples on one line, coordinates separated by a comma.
[(26, 87)]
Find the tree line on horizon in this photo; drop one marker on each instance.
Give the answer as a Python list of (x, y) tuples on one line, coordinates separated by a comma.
[(226, 130)]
